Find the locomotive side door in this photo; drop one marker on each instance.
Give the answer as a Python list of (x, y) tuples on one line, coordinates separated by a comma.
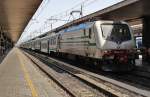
[(91, 42), (85, 42)]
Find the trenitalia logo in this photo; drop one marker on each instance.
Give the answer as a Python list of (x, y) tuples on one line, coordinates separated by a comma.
[(118, 42), (118, 47)]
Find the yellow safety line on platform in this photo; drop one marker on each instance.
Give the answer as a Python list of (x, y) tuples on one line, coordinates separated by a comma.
[(27, 78)]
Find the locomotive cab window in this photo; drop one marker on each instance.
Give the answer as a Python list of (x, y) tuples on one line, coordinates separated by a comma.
[(116, 32)]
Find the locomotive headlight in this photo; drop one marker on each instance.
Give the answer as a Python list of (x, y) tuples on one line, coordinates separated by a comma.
[(108, 54), (105, 52)]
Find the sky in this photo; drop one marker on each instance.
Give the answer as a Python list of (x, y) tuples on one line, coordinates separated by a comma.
[(45, 17)]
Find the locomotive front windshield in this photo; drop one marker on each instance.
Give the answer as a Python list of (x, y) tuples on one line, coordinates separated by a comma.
[(116, 32)]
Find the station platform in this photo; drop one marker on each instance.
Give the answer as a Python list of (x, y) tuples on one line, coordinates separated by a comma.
[(20, 78)]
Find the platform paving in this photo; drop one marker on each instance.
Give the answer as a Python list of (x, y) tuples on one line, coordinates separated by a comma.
[(20, 78)]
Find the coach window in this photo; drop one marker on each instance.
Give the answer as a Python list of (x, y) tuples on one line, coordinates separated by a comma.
[(55, 40), (50, 41)]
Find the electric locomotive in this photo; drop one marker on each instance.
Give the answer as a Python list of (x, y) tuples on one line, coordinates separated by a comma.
[(107, 44)]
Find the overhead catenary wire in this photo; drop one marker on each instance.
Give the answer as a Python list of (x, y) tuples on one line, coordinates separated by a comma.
[(64, 14)]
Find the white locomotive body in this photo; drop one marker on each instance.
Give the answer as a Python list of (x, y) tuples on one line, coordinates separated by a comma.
[(93, 39)]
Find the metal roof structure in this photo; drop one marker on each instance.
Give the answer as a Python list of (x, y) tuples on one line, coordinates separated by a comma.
[(15, 15), (129, 10)]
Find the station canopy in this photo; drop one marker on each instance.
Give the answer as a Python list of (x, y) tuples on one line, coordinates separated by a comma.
[(15, 15), (131, 11)]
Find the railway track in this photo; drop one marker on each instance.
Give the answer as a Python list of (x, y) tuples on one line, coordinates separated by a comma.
[(136, 79), (98, 84), (70, 83)]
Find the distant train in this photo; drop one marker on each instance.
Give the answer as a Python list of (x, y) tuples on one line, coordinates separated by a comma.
[(106, 44)]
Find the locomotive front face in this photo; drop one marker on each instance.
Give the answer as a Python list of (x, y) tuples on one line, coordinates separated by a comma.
[(116, 36), (116, 41)]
